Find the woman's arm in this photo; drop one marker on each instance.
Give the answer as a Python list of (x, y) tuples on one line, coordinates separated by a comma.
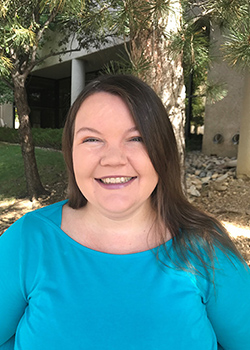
[(228, 304), (12, 300), (9, 345)]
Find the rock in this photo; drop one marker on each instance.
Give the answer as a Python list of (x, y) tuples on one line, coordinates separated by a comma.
[(220, 186), (210, 166), (206, 179), (202, 170), (215, 175), (193, 191), (197, 183), (222, 178), (202, 174), (231, 163)]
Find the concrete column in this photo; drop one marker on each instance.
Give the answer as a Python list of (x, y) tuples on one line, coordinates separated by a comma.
[(243, 160), (77, 78), (6, 115)]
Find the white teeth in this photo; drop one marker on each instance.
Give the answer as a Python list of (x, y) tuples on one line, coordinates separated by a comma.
[(116, 180)]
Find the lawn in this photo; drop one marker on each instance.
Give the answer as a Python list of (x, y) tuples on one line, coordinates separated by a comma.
[(12, 181)]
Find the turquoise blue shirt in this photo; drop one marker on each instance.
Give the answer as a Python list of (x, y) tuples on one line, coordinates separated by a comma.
[(56, 294)]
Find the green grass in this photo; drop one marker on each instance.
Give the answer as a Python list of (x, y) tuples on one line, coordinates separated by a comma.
[(12, 181)]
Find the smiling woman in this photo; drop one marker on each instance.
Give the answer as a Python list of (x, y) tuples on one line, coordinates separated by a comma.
[(112, 169), (126, 262)]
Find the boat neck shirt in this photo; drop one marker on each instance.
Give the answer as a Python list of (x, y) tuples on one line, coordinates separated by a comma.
[(57, 294)]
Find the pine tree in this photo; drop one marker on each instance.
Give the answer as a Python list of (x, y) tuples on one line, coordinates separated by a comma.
[(23, 28)]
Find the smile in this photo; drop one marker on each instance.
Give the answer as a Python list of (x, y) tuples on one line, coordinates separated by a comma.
[(116, 180)]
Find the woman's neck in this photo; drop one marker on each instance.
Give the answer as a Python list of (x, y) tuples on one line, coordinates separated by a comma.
[(115, 234)]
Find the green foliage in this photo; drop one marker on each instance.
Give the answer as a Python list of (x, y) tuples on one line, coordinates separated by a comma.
[(23, 25), (9, 135), (46, 138), (6, 93), (234, 19), (215, 91), (225, 11), (237, 46), (120, 66), (194, 143), (5, 65), (123, 65), (129, 20)]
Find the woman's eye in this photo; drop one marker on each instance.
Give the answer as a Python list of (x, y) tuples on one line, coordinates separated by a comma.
[(137, 139), (91, 139)]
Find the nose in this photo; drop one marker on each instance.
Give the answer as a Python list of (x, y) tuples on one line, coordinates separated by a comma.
[(113, 156)]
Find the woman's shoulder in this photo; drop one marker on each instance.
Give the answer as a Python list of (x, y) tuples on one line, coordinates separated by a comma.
[(52, 212), (31, 221)]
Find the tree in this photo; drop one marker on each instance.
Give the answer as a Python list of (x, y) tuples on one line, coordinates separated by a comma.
[(150, 42), (145, 27), (24, 25)]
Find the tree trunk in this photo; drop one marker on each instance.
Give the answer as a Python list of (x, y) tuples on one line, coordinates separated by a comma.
[(33, 182), (164, 73), (243, 159)]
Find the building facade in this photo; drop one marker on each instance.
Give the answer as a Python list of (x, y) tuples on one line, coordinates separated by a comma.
[(53, 86), (222, 119)]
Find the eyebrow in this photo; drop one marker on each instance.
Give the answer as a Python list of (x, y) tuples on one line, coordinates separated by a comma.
[(88, 129), (134, 128)]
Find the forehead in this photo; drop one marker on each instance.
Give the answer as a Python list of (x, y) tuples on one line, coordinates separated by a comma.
[(103, 106)]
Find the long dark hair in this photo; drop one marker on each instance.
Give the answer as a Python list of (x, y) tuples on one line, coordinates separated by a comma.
[(192, 231)]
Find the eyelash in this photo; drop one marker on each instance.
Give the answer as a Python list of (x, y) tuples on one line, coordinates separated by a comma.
[(137, 139), (93, 139), (90, 139)]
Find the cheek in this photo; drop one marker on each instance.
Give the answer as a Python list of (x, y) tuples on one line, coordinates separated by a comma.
[(79, 166), (75, 162)]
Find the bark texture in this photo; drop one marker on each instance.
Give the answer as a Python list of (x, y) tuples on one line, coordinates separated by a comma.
[(33, 182), (164, 72)]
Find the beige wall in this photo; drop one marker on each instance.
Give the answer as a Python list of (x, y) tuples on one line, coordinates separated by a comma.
[(6, 115), (223, 117)]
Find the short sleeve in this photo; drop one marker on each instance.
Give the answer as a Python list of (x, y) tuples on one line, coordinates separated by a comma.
[(12, 300), (228, 303)]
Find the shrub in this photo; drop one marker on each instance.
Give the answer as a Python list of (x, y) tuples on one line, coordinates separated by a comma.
[(47, 138), (9, 135)]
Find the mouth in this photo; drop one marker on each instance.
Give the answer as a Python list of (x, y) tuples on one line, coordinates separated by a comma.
[(116, 180)]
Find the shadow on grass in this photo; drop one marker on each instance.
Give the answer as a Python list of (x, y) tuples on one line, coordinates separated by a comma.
[(13, 198), (50, 164)]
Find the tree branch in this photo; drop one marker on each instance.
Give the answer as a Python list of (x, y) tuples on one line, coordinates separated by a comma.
[(40, 34)]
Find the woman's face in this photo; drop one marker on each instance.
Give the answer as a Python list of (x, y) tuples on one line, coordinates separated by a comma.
[(111, 165)]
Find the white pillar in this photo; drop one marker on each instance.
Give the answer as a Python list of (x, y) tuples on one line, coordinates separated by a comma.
[(77, 78), (243, 160)]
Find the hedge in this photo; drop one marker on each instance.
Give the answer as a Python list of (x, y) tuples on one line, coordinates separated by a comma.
[(47, 138)]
